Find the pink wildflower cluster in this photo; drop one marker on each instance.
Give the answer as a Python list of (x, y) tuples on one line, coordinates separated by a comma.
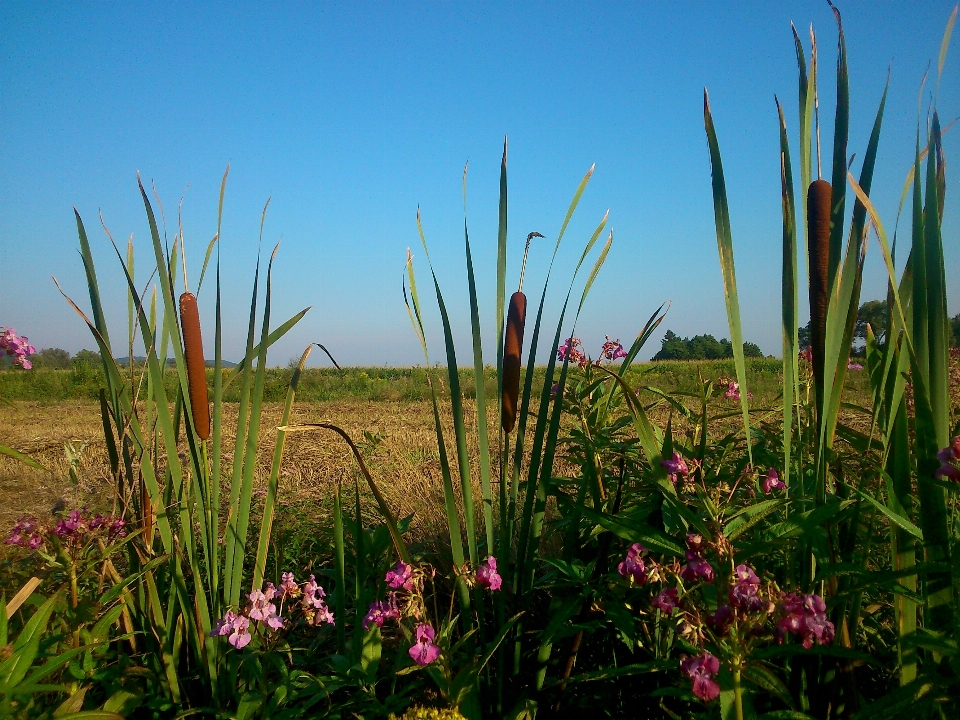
[(806, 617), (701, 669), (851, 365), (676, 467), (405, 599), (17, 347), (612, 349), (572, 348), (486, 576), (73, 530), (262, 614), (743, 610), (949, 458), (806, 355), (733, 391), (697, 569)]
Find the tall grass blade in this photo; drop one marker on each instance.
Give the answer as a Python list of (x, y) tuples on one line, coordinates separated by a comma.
[(790, 297), (725, 246), (456, 406), (841, 127), (479, 385), (938, 320), (937, 590), (252, 440), (501, 267)]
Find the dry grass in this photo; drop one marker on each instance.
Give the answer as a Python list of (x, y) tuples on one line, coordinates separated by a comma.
[(402, 457)]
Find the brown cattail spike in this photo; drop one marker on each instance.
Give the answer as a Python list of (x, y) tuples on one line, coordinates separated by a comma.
[(819, 200), (512, 344), (196, 368)]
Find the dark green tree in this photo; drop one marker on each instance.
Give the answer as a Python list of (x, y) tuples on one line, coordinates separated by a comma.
[(51, 359), (700, 347), (873, 312)]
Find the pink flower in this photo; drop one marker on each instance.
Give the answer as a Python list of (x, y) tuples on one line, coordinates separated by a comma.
[(696, 569), (701, 670), (224, 626), (260, 606), (17, 347), (805, 617), (401, 576), (807, 354), (666, 601), (743, 594), (632, 567), (572, 348), (313, 593), (26, 532), (772, 482), (423, 651), (676, 467), (240, 633), (854, 366), (381, 610), (947, 471), (274, 621), (288, 585), (487, 576), (733, 391), (947, 456), (323, 615), (612, 349)]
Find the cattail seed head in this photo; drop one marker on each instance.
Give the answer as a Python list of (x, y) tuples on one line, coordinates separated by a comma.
[(512, 344), (819, 201), (196, 368)]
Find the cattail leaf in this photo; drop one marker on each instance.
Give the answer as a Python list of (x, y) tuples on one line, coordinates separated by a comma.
[(790, 296), (501, 264), (480, 392), (841, 129), (938, 320), (456, 402), (725, 247), (945, 43)]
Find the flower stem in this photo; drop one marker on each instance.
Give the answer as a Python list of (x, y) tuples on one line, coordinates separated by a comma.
[(737, 693)]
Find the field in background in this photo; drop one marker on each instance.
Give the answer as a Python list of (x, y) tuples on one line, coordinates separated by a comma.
[(372, 384), (384, 409)]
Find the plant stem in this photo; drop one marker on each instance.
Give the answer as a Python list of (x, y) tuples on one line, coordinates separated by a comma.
[(737, 693)]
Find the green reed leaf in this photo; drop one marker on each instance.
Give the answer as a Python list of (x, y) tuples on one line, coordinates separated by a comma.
[(725, 247)]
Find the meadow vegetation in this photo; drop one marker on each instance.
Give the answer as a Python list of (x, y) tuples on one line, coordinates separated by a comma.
[(742, 538)]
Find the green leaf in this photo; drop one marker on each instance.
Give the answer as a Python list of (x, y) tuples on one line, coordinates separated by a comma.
[(725, 247)]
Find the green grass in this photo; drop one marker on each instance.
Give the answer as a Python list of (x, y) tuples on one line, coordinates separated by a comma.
[(379, 384)]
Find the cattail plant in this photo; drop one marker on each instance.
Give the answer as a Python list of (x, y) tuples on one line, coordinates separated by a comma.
[(512, 345), (818, 246), (196, 367)]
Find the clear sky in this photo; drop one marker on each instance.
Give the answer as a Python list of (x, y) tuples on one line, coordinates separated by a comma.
[(350, 116)]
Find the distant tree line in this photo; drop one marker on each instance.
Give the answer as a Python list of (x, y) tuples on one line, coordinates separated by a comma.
[(700, 347), (60, 359)]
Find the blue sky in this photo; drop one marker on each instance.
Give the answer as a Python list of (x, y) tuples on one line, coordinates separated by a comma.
[(350, 116)]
